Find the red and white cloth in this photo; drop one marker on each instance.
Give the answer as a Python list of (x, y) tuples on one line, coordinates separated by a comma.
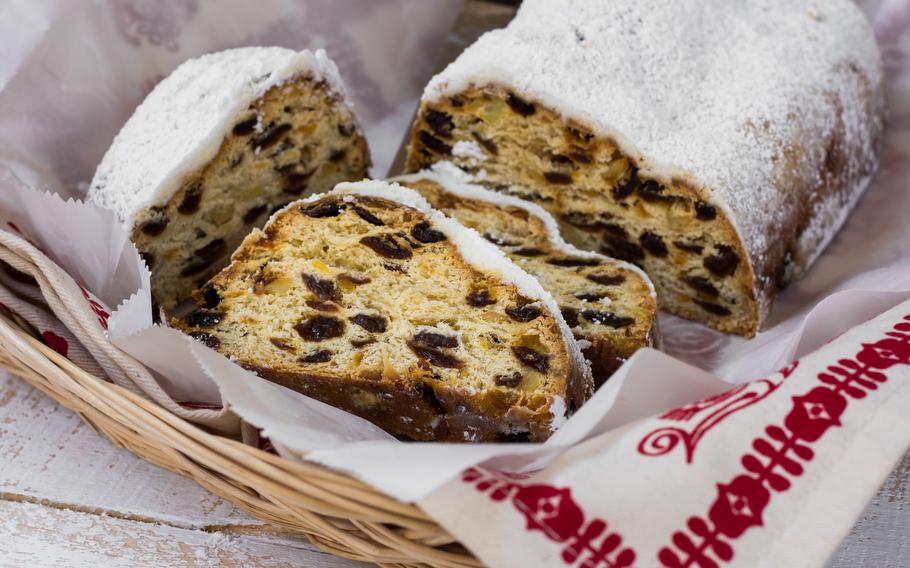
[(771, 473)]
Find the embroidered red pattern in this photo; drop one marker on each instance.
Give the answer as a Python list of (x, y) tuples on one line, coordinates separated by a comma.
[(97, 307), (711, 412), (780, 454), (552, 511)]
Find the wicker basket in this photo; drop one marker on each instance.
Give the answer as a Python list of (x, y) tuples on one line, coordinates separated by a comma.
[(337, 513)]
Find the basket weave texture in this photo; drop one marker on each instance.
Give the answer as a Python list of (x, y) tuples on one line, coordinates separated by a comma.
[(337, 513)]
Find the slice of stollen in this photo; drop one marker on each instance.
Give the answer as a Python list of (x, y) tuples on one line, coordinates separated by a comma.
[(368, 299), (216, 147)]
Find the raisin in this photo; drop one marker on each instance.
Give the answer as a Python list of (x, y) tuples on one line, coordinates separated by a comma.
[(534, 359), (210, 297), (321, 356), (203, 318), (204, 257), (440, 122), (457, 102), (607, 279), (705, 212), (480, 298), (711, 308), (320, 328), (431, 339), (362, 342), (386, 246), (624, 250), (614, 229), (581, 157), (511, 380), (283, 345), (653, 191), (434, 143), (653, 244), (570, 315), (392, 267), (323, 209), (626, 188), (346, 130), (206, 339), (528, 251), (689, 247), (524, 314), (338, 155), (701, 284), (723, 263), (607, 318), (373, 324), (558, 178), (514, 438), (154, 228), (561, 160), (582, 220), (488, 144), (423, 233), (590, 296), (321, 306), (254, 213), (520, 106), (212, 250), (570, 261), (434, 356), (270, 136), (368, 217), (245, 127), (191, 200), (296, 184), (148, 258), (321, 288)]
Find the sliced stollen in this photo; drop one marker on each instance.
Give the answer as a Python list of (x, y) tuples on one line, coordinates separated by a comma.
[(217, 146), (609, 304), (364, 299), (718, 144)]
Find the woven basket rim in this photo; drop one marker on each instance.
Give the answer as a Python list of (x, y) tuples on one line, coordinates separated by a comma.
[(335, 511)]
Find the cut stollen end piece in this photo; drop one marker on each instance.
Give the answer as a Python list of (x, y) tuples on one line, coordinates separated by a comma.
[(609, 304), (715, 160), (219, 145), (362, 298)]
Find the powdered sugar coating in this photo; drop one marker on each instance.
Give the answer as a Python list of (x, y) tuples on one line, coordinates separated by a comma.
[(180, 125), (458, 182), (732, 96)]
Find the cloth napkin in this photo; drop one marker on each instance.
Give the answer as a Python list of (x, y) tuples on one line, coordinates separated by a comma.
[(773, 472)]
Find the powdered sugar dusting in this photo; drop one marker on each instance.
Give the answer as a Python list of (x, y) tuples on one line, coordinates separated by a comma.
[(179, 127), (736, 96)]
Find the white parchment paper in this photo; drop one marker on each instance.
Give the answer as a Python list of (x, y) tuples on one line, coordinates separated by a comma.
[(69, 80)]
